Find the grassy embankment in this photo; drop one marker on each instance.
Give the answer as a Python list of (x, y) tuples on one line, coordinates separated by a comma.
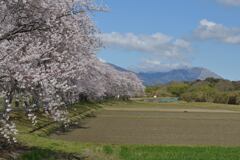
[(45, 148)]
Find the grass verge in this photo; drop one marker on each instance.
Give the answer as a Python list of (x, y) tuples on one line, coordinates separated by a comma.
[(178, 153)]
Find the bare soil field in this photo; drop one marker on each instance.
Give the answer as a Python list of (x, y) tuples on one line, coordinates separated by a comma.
[(159, 127)]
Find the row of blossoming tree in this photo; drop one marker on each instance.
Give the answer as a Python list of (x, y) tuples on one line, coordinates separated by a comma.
[(48, 61)]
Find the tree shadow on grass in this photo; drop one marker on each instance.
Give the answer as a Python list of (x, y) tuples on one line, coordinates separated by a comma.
[(45, 154)]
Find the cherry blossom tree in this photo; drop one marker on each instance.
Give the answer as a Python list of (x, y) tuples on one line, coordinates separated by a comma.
[(41, 46), (48, 61), (100, 80)]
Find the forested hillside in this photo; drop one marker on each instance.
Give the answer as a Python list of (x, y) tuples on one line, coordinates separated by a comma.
[(209, 90)]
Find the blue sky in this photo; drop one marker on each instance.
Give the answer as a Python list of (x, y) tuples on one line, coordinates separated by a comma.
[(159, 35)]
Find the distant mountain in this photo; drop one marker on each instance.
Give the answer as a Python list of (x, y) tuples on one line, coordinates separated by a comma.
[(118, 68), (187, 74)]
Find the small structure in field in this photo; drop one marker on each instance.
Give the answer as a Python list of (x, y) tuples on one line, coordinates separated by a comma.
[(162, 99)]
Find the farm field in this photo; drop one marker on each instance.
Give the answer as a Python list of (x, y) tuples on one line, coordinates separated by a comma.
[(159, 125)]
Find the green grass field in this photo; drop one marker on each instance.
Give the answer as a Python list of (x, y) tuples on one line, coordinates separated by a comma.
[(179, 153), (43, 147), (49, 149)]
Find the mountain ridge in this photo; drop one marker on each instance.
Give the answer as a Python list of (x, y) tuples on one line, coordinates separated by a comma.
[(187, 74), (184, 74)]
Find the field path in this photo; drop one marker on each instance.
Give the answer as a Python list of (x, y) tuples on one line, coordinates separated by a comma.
[(154, 109)]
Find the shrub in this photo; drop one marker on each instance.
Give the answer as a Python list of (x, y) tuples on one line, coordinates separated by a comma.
[(178, 89), (221, 97), (193, 97), (234, 98), (186, 97)]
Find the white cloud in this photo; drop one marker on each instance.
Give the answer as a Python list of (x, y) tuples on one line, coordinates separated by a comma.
[(156, 48), (151, 65), (157, 44), (230, 2), (102, 60), (219, 32), (207, 23)]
